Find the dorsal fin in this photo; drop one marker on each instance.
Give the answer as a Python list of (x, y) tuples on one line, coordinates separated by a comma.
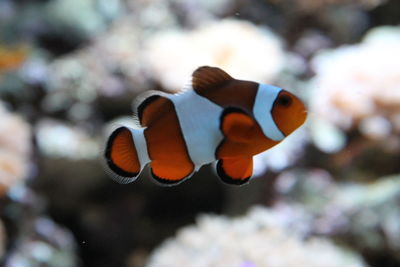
[(206, 77)]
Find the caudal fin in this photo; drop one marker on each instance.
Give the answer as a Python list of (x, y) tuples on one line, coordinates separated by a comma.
[(125, 154)]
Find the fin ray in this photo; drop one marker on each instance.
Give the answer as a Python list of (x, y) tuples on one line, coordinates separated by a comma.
[(206, 77), (168, 173), (121, 157)]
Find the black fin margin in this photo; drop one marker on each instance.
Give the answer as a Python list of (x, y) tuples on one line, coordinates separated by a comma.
[(107, 154), (227, 179), (166, 182), (144, 104)]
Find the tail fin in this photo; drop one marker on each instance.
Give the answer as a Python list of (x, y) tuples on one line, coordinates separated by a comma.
[(126, 154)]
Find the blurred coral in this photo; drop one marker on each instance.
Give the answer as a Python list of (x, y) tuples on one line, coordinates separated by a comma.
[(367, 208), (258, 239), (283, 155), (70, 66), (156, 15), (15, 149), (56, 139), (42, 243), (312, 5), (2, 239), (239, 47), (350, 212), (358, 85), (84, 74), (92, 18), (12, 57)]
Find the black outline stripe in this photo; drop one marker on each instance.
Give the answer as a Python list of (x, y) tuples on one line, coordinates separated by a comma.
[(167, 182), (144, 104), (107, 154), (272, 109)]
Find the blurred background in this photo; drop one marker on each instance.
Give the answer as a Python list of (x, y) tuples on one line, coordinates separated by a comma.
[(329, 195)]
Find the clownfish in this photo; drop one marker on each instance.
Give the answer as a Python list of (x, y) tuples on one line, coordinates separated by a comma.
[(218, 118), (12, 57)]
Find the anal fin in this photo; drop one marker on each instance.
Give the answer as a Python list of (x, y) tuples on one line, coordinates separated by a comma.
[(171, 173), (235, 171)]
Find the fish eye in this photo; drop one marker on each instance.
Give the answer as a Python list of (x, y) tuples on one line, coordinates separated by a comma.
[(284, 100)]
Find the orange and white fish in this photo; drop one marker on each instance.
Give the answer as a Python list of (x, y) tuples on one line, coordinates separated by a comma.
[(218, 119), (12, 57)]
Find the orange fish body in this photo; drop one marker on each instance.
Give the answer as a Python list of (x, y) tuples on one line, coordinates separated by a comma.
[(12, 57), (218, 119)]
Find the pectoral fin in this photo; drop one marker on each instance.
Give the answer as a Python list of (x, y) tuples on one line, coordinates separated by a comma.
[(240, 132), (237, 125)]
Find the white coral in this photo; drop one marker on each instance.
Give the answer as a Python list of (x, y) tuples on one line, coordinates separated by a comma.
[(313, 5), (241, 48), (15, 148), (58, 139), (85, 74), (359, 84), (258, 239)]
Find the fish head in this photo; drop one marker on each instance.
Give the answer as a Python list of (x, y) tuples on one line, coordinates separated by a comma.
[(288, 112)]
